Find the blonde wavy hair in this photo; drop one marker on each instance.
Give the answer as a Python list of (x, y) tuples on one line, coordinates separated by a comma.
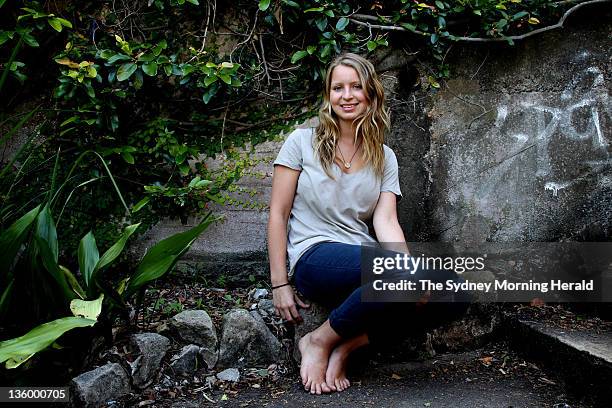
[(371, 125)]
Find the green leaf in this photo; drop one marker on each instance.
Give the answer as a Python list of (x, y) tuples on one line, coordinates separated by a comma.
[(519, 15), (73, 282), (326, 51), (57, 26), (119, 57), (45, 238), (18, 350), (139, 205), (125, 71), (31, 41), (128, 157), (439, 4), (209, 80), (146, 57), (64, 22), (5, 36), (88, 309), (311, 49), (372, 45), (298, 56), (310, 10), (163, 256), (88, 256), (6, 297), (342, 23), (196, 2), (225, 78), (114, 251), (408, 26), (138, 79), (12, 238), (321, 23), (150, 69), (434, 38), (264, 4)]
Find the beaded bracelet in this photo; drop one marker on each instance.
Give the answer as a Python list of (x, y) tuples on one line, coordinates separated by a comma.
[(280, 286)]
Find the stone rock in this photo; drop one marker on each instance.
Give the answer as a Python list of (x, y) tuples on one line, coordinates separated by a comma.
[(257, 294), (196, 327), (151, 348), (187, 361), (230, 374), (246, 340), (472, 330), (95, 387), (209, 356), (266, 307)]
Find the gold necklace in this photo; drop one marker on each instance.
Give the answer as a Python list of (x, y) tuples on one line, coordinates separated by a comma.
[(347, 164)]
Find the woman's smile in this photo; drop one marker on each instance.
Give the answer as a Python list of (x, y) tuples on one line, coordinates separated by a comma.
[(347, 96)]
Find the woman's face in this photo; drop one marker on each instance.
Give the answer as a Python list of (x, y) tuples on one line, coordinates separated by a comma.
[(347, 96)]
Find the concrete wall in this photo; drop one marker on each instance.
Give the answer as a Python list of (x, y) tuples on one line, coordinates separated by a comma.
[(515, 147)]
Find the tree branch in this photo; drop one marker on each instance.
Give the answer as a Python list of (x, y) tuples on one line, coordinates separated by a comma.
[(356, 18)]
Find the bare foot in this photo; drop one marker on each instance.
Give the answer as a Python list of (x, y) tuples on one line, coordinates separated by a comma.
[(335, 375), (313, 366)]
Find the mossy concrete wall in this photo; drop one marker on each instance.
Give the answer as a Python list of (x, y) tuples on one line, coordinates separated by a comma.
[(514, 147)]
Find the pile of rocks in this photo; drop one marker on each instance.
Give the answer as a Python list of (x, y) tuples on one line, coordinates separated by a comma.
[(245, 341)]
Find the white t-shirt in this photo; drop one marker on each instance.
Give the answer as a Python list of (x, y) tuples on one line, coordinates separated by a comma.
[(330, 210)]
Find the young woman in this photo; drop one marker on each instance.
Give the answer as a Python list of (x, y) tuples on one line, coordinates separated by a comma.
[(328, 183)]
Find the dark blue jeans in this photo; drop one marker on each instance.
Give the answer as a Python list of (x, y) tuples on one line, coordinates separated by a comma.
[(329, 273)]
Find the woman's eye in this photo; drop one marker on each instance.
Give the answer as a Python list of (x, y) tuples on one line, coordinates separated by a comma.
[(357, 86)]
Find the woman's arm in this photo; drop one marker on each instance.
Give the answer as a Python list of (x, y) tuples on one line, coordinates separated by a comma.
[(284, 185), (386, 225)]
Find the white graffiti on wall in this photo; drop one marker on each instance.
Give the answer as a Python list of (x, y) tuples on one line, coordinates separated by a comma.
[(535, 123)]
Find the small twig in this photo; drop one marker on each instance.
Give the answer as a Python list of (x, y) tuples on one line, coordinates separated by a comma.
[(480, 66), (246, 39), (263, 57), (223, 128)]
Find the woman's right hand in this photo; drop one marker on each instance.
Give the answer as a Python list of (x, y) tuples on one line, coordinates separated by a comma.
[(285, 300)]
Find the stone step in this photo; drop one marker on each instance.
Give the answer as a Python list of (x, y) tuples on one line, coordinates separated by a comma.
[(581, 355)]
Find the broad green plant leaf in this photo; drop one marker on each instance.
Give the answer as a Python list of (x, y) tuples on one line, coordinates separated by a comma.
[(89, 309), (18, 350), (45, 237), (163, 256), (73, 282), (264, 4), (114, 251), (298, 56), (125, 71), (88, 256), (6, 295), (342, 23), (12, 238)]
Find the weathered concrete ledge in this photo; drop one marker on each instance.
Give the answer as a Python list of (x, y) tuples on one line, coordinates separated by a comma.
[(582, 358)]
